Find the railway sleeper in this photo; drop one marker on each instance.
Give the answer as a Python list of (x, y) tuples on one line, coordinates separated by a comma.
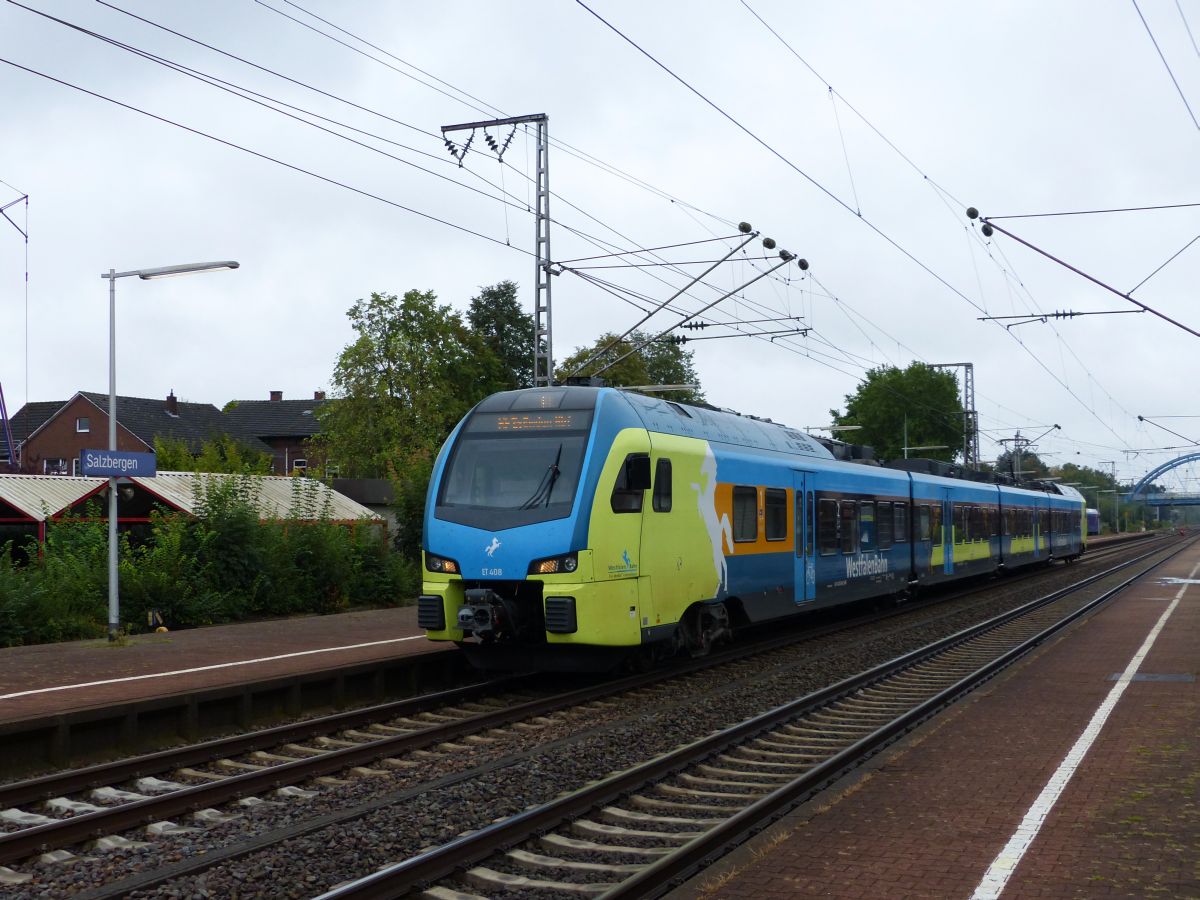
[(13, 877), (438, 892), (588, 828), (643, 802), (490, 879), (673, 790), (748, 772), (538, 861), (760, 760), (701, 781), (116, 795), (558, 842), (803, 740), (618, 816), (792, 751)]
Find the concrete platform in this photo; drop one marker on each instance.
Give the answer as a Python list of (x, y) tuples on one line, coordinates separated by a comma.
[(49, 679), (1027, 789)]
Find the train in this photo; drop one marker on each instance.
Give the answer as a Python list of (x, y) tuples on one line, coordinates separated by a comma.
[(584, 528), (1093, 521)]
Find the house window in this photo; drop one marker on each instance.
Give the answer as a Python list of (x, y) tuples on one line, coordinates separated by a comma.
[(83, 424), (75, 467), (745, 514), (776, 503), (300, 465), (54, 467)]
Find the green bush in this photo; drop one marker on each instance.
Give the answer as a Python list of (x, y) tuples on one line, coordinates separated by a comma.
[(224, 565)]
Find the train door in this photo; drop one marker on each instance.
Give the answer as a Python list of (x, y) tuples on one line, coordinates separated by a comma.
[(805, 578), (947, 532)]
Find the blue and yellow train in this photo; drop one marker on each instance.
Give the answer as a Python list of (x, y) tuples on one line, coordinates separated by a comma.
[(574, 527)]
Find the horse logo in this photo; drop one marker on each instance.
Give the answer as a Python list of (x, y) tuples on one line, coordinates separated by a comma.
[(491, 548)]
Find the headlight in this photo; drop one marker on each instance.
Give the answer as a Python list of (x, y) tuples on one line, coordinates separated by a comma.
[(440, 564), (568, 562)]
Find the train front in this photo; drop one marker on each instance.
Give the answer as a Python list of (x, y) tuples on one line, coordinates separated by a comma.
[(506, 521)]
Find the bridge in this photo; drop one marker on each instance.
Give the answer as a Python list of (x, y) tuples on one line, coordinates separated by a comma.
[(1170, 499), (1140, 492)]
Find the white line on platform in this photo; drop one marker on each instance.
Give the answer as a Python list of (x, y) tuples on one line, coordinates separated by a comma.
[(224, 665), (1006, 862)]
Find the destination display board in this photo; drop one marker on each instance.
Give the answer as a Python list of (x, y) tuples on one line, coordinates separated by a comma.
[(549, 420)]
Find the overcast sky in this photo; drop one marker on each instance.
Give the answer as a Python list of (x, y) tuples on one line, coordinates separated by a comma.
[(854, 134)]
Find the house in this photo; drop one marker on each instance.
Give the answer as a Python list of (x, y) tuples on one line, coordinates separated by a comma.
[(49, 436), (283, 425)]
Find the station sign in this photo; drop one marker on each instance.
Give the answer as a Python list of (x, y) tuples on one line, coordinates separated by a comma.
[(117, 464)]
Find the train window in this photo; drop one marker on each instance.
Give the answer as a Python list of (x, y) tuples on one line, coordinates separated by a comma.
[(662, 486), (993, 520), (776, 518), (866, 525), (935, 524), (901, 531), (975, 527), (1044, 521), (745, 514), (808, 519), (924, 527), (883, 526), (827, 526), (848, 532), (626, 499), (960, 523)]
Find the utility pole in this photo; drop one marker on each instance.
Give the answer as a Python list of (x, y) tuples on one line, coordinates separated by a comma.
[(970, 415), (543, 332)]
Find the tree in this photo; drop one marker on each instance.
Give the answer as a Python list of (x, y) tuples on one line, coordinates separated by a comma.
[(413, 371), (1032, 465), (919, 399), (220, 453), (660, 362), (496, 317)]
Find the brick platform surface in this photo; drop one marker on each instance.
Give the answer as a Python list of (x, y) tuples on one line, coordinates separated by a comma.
[(82, 662), (928, 819)]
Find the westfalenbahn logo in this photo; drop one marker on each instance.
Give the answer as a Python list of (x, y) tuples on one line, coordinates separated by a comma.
[(866, 565), (627, 566)]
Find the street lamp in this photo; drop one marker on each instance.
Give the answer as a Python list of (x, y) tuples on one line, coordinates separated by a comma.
[(114, 602)]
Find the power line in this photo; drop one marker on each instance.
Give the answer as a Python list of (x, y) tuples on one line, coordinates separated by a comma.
[(1096, 212), (972, 213), (1164, 265), (770, 149), (1166, 65), (265, 102), (263, 156)]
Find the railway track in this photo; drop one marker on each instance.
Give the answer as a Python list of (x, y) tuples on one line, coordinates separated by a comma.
[(285, 764), (636, 833)]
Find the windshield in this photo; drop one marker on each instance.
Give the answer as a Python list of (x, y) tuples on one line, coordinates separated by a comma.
[(503, 478)]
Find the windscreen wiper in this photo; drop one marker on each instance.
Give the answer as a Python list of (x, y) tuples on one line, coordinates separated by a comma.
[(541, 496)]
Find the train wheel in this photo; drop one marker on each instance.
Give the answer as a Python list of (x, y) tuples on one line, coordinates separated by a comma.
[(704, 627)]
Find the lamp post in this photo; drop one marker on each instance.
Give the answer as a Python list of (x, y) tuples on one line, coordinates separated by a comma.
[(114, 602)]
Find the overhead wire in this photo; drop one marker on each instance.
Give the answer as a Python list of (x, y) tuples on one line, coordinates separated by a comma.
[(1166, 65), (263, 156)]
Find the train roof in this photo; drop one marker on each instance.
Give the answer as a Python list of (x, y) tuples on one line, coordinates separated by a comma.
[(725, 426), (730, 427)]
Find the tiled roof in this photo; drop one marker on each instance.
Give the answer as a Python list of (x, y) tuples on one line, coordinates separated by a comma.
[(32, 416), (276, 418), (195, 423)]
